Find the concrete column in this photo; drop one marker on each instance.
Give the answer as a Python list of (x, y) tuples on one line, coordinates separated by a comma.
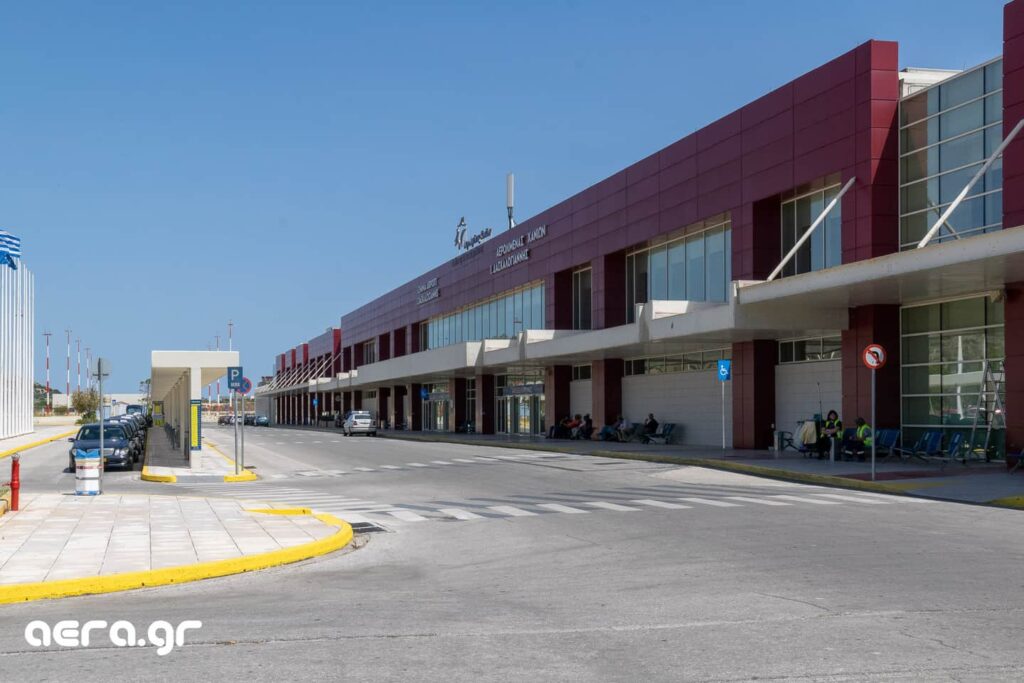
[(484, 420), (881, 325), (399, 396), (415, 407), (1013, 313), (556, 392), (608, 290), (753, 392), (459, 401), (383, 414), (605, 391)]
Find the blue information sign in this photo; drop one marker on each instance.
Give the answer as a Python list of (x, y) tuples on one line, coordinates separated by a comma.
[(315, 402), (235, 378), (424, 393), (724, 370)]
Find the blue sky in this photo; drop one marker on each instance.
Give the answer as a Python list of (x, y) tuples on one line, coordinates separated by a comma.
[(172, 167)]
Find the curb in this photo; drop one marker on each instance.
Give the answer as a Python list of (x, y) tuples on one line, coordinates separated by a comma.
[(5, 500), (1011, 502), (33, 444), (707, 463), (146, 475), (66, 588), (245, 475)]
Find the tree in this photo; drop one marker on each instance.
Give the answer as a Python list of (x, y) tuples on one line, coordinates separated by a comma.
[(85, 403)]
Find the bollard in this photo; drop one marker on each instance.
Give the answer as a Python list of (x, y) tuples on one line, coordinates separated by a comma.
[(15, 481)]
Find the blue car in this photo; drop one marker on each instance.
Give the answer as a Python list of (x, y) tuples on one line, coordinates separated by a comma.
[(262, 421), (117, 445)]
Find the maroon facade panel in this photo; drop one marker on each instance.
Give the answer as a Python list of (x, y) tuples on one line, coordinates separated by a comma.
[(556, 393), (871, 325), (1013, 111), (606, 389), (753, 393), (1013, 311)]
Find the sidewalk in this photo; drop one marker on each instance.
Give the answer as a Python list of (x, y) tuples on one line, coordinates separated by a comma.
[(166, 464), (43, 434), (973, 483), (59, 545)]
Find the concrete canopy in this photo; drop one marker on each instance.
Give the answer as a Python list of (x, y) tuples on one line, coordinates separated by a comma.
[(202, 367)]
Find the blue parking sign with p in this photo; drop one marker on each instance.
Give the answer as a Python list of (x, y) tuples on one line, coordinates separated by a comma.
[(724, 370), (234, 378)]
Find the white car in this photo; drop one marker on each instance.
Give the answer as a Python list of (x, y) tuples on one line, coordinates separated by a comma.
[(358, 422)]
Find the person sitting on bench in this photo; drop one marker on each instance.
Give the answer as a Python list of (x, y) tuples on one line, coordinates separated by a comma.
[(831, 430), (860, 442), (623, 430), (586, 428)]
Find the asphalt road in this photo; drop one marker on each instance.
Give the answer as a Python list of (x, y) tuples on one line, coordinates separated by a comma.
[(508, 565)]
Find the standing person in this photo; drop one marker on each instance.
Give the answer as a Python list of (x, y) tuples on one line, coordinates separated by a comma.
[(831, 430), (650, 427)]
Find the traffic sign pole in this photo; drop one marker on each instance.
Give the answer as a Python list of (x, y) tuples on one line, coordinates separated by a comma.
[(873, 357), (873, 371), (724, 375)]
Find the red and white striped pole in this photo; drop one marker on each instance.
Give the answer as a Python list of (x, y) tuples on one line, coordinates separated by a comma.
[(217, 337), (49, 394), (78, 350), (68, 386)]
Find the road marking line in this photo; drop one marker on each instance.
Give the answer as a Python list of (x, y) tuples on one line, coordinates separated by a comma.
[(714, 503), (610, 506), (661, 504), (363, 469), (471, 462), (558, 507), (758, 501), (308, 473), (483, 459), (507, 457), (416, 464), (407, 515), (511, 511), (800, 499), (459, 513), (390, 467), (894, 499), (336, 472), (440, 462), (855, 499)]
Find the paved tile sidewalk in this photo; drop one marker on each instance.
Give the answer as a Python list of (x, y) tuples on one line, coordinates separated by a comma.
[(165, 460), (60, 536)]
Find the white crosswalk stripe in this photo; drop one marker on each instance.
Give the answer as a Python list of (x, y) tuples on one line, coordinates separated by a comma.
[(390, 467), (511, 511), (757, 501), (416, 464), (407, 515), (891, 498), (459, 513), (610, 506), (813, 501), (661, 504), (363, 469), (711, 502), (440, 462), (558, 507), (471, 462), (853, 499)]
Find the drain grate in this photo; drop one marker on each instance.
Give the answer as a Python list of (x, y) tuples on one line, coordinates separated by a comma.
[(367, 528)]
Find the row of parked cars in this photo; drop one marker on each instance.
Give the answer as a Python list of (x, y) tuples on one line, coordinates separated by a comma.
[(253, 420), (124, 439)]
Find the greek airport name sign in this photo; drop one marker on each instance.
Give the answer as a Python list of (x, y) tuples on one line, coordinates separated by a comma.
[(516, 250), (427, 291)]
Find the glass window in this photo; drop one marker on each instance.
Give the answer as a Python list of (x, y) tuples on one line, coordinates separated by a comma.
[(961, 89), (961, 151), (517, 312), (658, 269), (581, 300), (537, 301), (695, 268), (715, 243), (492, 311), (962, 119), (824, 248), (509, 316), (677, 271)]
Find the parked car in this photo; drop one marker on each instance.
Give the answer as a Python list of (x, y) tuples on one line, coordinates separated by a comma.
[(116, 444), (358, 422), (225, 420), (135, 435), (262, 421), (249, 420)]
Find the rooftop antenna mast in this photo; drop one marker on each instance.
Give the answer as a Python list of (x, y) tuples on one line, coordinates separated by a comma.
[(510, 195)]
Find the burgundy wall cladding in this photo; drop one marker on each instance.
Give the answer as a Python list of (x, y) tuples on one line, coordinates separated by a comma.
[(1013, 111), (838, 118)]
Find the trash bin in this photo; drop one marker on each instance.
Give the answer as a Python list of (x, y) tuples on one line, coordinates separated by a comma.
[(88, 472)]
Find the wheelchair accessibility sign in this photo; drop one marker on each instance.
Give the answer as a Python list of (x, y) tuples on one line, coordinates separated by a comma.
[(724, 370)]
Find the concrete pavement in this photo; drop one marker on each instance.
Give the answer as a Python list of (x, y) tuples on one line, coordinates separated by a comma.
[(765, 584)]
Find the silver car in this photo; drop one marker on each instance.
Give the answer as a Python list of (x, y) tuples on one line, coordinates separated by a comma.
[(358, 422)]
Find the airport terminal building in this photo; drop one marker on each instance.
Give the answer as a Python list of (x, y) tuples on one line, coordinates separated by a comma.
[(859, 203)]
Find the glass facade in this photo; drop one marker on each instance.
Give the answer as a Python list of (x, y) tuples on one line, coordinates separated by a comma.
[(520, 403), (581, 299), (946, 133), (581, 372), (437, 413), (369, 352), (825, 247), (697, 267), (812, 349), (946, 348), (695, 361), (502, 317)]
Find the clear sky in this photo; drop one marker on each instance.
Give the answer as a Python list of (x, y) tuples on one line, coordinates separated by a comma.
[(278, 164)]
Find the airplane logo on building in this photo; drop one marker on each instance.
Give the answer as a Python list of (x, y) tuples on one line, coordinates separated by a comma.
[(460, 233)]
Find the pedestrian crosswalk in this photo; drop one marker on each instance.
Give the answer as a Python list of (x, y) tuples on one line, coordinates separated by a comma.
[(408, 466), (661, 499)]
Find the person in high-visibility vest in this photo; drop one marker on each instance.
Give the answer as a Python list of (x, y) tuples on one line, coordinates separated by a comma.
[(831, 428), (860, 442)]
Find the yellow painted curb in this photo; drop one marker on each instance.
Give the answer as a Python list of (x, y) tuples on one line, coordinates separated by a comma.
[(25, 592), (282, 511), (245, 475), (146, 475), (1015, 502), (41, 442)]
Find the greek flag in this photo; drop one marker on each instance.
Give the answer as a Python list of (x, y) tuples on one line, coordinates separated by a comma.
[(10, 249)]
